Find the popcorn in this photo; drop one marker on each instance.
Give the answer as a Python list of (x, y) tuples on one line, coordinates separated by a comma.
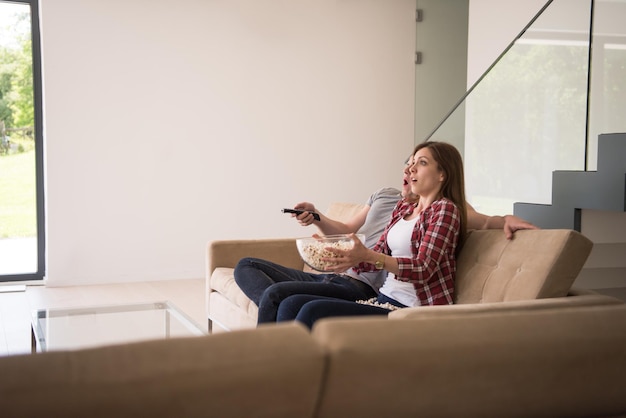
[(374, 302), (314, 251)]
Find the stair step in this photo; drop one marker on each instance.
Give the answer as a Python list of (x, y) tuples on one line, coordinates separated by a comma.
[(604, 189)]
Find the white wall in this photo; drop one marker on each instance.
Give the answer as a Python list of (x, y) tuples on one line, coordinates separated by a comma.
[(171, 124)]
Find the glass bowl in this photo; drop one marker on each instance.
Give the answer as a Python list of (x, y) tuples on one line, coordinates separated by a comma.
[(313, 249)]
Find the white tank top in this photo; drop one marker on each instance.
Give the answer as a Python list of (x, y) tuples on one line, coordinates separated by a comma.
[(399, 242)]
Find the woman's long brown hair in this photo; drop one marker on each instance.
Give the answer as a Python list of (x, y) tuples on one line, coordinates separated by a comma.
[(451, 163)]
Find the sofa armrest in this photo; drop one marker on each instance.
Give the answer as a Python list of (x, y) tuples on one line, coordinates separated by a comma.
[(576, 299), (226, 253), (225, 302)]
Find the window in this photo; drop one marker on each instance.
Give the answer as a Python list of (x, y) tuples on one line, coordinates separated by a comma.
[(21, 152)]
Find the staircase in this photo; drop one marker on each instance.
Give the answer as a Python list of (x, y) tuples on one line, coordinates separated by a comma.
[(572, 191)]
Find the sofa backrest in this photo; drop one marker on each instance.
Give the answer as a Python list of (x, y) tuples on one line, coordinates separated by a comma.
[(342, 211), (563, 362), (271, 372), (534, 264)]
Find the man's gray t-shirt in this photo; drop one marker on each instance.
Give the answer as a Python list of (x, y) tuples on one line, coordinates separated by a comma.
[(381, 203)]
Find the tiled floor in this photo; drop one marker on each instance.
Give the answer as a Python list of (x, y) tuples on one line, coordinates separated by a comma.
[(16, 307)]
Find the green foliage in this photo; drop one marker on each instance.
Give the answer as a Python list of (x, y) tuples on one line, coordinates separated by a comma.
[(24, 105), (16, 79), (6, 113)]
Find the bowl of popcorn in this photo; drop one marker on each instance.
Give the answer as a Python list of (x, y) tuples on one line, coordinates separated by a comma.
[(313, 250)]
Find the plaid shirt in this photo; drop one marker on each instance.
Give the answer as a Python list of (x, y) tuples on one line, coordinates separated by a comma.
[(432, 266)]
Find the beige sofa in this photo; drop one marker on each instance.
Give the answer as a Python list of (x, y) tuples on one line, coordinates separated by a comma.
[(566, 362), (535, 270), (512, 347)]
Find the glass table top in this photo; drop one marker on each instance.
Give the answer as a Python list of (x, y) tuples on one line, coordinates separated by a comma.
[(76, 328)]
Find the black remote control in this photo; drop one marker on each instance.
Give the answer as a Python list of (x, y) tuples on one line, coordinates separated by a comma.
[(316, 216)]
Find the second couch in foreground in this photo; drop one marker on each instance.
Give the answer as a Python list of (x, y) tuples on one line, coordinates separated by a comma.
[(562, 362)]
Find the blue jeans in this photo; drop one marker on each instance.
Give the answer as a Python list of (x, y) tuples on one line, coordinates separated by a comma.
[(308, 309), (267, 284)]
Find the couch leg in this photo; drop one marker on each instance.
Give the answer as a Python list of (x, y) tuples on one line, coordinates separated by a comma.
[(210, 326)]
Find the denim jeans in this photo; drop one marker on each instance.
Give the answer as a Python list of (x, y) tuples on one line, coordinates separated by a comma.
[(267, 284), (308, 308)]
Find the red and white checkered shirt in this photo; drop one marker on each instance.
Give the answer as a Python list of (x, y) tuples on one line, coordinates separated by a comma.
[(432, 266)]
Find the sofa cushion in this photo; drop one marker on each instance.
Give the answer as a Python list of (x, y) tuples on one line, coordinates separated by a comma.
[(576, 298), (534, 264)]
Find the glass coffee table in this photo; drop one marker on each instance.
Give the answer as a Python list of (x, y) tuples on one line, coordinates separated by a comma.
[(68, 329)]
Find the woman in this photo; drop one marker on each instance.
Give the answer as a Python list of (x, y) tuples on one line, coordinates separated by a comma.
[(418, 248)]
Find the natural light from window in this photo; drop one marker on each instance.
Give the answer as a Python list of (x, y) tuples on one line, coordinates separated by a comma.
[(18, 207)]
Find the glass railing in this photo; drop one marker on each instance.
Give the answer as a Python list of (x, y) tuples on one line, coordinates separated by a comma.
[(541, 106)]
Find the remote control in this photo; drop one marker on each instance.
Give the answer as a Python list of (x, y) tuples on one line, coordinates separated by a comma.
[(316, 216)]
